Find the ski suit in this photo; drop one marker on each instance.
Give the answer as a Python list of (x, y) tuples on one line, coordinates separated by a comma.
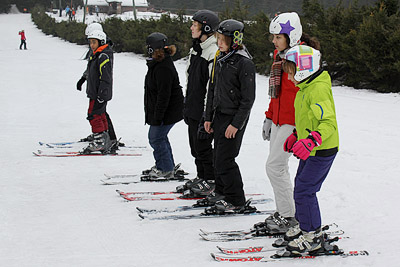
[(230, 97), (314, 110), (99, 87), (198, 73), (281, 112)]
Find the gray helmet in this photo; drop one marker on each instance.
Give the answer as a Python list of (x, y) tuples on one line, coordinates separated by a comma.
[(156, 40), (208, 19), (233, 29)]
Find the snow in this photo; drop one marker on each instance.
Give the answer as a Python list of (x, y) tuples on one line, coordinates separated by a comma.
[(55, 212)]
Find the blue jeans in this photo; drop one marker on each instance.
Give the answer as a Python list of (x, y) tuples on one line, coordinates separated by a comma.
[(162, 151), (311, 173)]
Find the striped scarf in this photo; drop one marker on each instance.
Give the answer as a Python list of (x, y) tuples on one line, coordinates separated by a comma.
[(275, 77)]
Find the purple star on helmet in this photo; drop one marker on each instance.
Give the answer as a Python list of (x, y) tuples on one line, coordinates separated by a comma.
[(286, 27)]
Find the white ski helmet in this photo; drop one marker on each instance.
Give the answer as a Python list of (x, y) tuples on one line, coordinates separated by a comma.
[(93, 27), (99, 35), (287, 23), (307, 60)]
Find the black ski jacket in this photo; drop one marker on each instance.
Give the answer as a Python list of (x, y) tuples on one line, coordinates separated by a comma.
[(232, 87), (198, 73), (100, 74), (163, 97)]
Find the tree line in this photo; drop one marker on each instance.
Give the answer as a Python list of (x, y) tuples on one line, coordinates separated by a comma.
[(359, 44)]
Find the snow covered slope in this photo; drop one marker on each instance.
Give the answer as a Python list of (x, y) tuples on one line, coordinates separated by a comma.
[(55, 212)]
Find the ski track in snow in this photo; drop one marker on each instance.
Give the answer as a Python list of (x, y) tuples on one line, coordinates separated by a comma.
[(55, 212)]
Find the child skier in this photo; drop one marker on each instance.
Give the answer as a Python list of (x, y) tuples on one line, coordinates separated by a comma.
[(163, 102), (198, 71), (99, 91), (230, 98), (23, 39), (113, 137), (315, 142)]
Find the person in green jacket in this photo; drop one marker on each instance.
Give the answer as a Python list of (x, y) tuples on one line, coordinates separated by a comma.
[(315, 141)]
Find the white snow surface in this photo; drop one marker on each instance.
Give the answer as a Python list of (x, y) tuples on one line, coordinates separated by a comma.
[(55, 212)]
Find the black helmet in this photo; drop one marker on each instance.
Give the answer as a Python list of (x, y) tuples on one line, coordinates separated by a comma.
[(156, 40), (233, 29), (208, 19)]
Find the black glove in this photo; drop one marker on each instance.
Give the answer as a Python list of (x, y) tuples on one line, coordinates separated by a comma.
[(201, 131), (79, 83)]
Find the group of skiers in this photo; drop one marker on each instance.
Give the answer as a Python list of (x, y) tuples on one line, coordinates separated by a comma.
[(220, 93)]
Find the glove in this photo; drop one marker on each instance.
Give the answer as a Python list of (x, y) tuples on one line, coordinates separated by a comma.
[(201, 131), (266, 130), (79, 83), (303, 147), (290, 141)]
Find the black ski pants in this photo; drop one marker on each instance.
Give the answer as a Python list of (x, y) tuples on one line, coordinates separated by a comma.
[(228, 180), (23, 43), (201, 150)]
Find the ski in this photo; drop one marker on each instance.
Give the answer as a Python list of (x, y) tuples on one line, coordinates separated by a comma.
[(146, 193), (254, 234), (201, 215), (250, 230), (77, 154), (246, 250), (264, 258), (255, 249), (59, 143), (179, 175), (185, 208)]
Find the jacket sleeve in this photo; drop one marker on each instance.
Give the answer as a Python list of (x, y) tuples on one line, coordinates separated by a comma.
[(247, 79), (164, 88), (323, 110), (210, 96), (105, 68), (269, 113)]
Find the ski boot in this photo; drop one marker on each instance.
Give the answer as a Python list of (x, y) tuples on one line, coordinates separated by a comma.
[(203, 188), (209, 200), (101, 143), (89, 138), (222, 207), (188, 185)]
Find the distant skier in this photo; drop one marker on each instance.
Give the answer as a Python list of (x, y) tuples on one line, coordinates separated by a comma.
[(315, 142), (198, 72), (23, 39), (99, 91), (230, 97), (163, 102), (90, 28)]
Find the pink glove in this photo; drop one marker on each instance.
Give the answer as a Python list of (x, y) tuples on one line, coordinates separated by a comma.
[(303, 147), (290, 141)]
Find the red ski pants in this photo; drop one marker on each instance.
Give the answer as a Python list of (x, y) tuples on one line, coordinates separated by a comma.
[(97, 116)]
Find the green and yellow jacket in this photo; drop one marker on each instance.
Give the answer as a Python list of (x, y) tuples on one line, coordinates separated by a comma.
[(315, 110)]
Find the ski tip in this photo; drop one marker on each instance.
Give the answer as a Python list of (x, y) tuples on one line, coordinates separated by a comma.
[(141, 216), (139, 209), (213, 256), (41, 143), (220, 249)]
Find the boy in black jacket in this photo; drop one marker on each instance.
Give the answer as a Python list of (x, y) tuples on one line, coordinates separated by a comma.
[(99, 91)]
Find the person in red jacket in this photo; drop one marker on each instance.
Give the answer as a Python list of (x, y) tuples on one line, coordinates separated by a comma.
[(23, 39), (279, 122)]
